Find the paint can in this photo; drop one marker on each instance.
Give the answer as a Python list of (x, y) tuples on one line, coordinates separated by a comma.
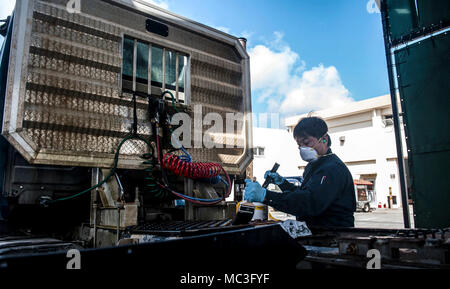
[(261, 212)]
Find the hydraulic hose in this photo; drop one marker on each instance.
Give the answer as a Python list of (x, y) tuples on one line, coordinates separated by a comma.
[(113, 169), (179, 165)]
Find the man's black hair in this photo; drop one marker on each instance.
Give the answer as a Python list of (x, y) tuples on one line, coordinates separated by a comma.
[(312, 126)]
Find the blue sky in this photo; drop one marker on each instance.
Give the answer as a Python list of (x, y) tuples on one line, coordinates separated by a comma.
[(305, 54), (334, 48)]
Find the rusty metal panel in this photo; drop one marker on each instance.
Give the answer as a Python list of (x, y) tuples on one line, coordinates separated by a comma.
[(64, 103)]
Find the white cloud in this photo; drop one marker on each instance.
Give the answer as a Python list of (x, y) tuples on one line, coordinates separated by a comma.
[(270, 70), (316, 89), (280, 80)]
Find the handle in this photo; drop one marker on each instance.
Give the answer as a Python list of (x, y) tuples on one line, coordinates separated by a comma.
[(269, 179)]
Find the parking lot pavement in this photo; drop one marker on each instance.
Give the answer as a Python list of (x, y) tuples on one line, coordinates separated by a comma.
[(382, 219), (379, 218)]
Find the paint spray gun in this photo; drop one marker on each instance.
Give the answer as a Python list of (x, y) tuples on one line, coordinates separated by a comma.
[(269, 179)]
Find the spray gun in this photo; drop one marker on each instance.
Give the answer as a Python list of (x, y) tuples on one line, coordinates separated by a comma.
[(269, 179)]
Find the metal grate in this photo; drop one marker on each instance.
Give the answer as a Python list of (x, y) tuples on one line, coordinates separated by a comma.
[(185, 227), (403, 248), (69, 107)]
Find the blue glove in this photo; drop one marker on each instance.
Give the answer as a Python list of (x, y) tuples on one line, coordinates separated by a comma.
[(254, 192), (276, 178)]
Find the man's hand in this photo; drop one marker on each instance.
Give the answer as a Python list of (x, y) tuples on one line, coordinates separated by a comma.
[(254, 192), (276, 178)]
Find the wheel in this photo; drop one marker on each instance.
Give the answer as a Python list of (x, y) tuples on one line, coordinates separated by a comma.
[(366, 208)]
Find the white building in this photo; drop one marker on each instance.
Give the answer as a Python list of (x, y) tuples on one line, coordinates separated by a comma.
[(362, 135), (275, 146)]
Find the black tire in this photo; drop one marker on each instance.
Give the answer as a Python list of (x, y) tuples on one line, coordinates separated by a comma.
[(366, 208)]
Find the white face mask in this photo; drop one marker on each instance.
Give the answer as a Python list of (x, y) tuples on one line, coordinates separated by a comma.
[(308, 154)]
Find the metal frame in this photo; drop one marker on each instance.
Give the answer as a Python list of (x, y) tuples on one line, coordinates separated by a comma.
[(395, 114), (149, 73), (145, 7), (348, 247), (177, 76), (19, 59), (392, 45), (164, 70), (134, 63), (215, 251), (149, 68)]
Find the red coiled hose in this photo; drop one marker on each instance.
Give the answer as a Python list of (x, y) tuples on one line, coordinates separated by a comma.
[(190, 170)]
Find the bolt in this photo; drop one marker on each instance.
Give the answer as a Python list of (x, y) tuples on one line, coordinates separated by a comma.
[(352, 249)]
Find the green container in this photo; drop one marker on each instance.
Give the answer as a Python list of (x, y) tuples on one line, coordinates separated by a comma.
[(424, 83)]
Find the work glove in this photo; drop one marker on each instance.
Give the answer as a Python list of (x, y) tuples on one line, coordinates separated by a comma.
[(254, 192), (276, 178)]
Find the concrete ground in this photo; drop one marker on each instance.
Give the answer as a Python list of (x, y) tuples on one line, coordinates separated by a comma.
[(379, 218), (383, 219)]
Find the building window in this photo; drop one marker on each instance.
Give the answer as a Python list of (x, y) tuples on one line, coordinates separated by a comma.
[(388, 120), (152, 69), (258, 151), (261, 151), (342, 140)]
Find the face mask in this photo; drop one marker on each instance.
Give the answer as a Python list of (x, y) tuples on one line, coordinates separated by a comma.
[(308, 154)]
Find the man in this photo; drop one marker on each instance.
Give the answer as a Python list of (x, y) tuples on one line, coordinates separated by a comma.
[(326, 197)]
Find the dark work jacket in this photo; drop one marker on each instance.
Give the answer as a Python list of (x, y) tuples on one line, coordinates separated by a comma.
[(326, 197)]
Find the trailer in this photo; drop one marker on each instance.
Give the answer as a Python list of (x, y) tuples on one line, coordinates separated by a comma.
[(110, 119), (95, 99)]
